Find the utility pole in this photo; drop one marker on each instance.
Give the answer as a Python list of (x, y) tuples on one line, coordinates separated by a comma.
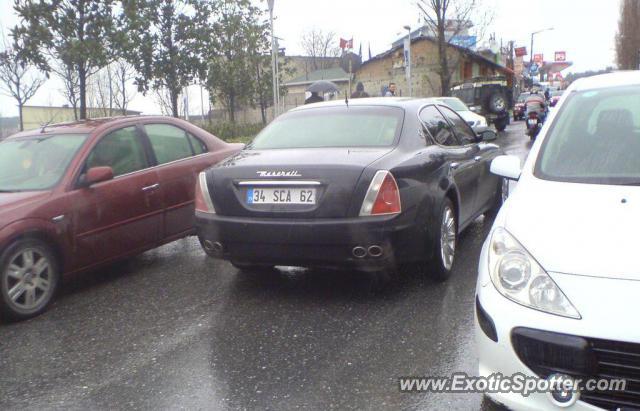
[(274, 60), (409, 81)]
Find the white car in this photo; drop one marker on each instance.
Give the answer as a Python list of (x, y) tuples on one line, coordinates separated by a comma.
[(477, 122), (558, 287)]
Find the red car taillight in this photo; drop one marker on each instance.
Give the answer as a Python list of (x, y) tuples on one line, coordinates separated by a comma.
[(203, 199), (383, 196), (533, 114)]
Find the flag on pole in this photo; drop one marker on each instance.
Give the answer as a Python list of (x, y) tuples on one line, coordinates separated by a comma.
[(346, 44)]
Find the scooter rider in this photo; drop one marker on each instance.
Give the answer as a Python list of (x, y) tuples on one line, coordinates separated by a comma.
[(535, 102)]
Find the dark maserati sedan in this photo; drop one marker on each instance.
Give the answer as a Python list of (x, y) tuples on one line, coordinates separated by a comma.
[(369, 184), (74, 196)]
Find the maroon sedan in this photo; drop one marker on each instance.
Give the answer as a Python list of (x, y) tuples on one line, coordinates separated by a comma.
[(75, 196)]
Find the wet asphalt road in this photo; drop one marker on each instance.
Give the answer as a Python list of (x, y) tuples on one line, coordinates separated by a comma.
[(173, 329)]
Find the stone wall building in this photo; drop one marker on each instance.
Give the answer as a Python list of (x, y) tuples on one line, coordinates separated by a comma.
[(379, 71)]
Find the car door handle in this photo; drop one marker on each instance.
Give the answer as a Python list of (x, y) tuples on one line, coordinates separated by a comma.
[(477, 158), (151, 187), (453, 166)]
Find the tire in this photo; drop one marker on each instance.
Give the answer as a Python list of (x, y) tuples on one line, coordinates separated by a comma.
[(29, 279), (501, 197), (497, 102), (447, 233), (501, 124)]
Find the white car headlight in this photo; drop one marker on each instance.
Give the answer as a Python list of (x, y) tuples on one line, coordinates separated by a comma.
[(519, 277)]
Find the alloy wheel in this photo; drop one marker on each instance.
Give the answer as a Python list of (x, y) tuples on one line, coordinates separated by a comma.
[(28, 280), (448, 237)]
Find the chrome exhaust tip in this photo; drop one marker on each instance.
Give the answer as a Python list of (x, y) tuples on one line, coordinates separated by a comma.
[(359, 252), (375, 251), (214, 248)]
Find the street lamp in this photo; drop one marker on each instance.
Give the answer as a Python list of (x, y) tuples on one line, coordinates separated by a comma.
[(274, 62), (408, 28), (533, 34)]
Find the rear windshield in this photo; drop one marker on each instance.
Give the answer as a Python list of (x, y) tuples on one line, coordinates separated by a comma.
[(343, 126), (595, 139), (465, 94)]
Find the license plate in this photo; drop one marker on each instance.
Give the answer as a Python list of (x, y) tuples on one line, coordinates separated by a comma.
[(281, 196), (532, 122)]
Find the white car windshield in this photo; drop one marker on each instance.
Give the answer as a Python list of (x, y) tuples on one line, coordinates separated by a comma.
[(595, 139), (455, 104), (36, 162)]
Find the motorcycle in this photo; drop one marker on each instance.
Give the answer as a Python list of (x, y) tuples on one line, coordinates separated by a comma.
[(534, 124)]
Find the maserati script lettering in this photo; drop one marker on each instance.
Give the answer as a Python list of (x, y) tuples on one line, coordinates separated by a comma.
[(293, 173)]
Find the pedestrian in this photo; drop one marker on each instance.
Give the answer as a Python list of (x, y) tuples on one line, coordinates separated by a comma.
[(359, 93), (391, 91), (547, 94), (314, 98)]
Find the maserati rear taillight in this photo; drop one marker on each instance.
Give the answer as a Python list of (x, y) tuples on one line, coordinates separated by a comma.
[(383, 196), (203, 199)]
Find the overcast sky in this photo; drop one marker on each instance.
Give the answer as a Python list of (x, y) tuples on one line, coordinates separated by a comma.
[(585, 29)]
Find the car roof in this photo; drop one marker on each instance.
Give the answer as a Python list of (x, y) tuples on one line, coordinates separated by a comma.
[(85, 126), (616, 79), (401, 102)]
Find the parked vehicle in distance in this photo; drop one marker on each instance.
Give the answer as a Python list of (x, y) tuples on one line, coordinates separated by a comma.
[(555, 97), (371, 184), (559, 279), (476, 121), (519, 108), (77, 195), (490, 97)]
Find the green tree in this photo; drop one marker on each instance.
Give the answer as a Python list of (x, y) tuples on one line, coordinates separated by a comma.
[(236, 65), (75, 33), (160, 41)]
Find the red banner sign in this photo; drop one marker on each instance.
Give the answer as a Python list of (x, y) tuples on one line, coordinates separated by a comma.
[(346, 44), (520, 51), (561, 56)]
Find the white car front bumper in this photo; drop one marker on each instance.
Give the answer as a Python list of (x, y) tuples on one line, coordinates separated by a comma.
[(608, 308)]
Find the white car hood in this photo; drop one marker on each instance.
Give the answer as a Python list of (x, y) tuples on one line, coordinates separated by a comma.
[(583, 229)]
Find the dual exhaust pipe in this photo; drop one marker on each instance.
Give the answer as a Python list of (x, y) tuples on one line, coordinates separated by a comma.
[(215, 249), (374, 251)]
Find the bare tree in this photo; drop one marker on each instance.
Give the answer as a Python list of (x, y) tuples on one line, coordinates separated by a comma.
[(446, 19), (628, 36), (164, 99), (100, 91), (123, 73), (18, 80), (71, 85), (321, 47)]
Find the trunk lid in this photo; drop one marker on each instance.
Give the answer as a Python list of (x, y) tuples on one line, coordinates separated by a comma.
[(328, 175)]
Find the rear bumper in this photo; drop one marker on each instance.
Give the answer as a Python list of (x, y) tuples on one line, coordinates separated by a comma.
[(312, 243)]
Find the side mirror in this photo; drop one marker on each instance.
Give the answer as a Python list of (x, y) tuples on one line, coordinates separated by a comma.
[(97, 175), (506, 166), (488, 135)]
